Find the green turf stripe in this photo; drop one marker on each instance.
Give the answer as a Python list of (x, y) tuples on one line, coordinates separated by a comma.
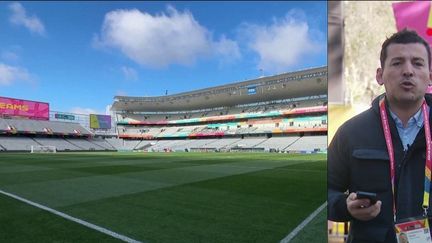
[(23, 223), (174, 197), (254, 207), (63, 192)]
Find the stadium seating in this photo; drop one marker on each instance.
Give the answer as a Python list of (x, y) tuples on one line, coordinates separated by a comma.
[(43, 127), (309, 143), (250, 127), (116, 143), (102, 143), (17, 143), (60, 144), (283, 143), (286, 114), (278, 143), (22, 143)]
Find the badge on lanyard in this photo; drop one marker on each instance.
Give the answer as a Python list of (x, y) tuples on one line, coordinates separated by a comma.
[(413, 230)]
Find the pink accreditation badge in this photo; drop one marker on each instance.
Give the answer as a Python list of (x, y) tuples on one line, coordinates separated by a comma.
[(413, 231)]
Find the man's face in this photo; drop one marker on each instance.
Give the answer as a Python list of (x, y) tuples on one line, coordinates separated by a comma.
[(405, 74), (403, 238)]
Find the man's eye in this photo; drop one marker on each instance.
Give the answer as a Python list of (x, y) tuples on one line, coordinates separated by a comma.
[(420, 64), (395, 63)]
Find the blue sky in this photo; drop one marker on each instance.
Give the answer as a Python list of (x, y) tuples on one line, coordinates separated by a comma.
[(78, 55)]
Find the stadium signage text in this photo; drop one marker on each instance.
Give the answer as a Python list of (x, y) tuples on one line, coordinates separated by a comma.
[(7, 106), (64, 116)]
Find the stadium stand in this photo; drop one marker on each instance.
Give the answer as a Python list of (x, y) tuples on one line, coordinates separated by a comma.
[(279, 143), (281, 113), (20, 134), (104, 144), (60, 143), (42, 127), (308, 143), (17, 143)]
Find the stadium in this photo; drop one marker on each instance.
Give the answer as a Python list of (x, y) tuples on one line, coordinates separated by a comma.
[(242, 162)]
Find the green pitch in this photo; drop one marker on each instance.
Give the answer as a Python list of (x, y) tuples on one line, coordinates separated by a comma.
[(162, 197)]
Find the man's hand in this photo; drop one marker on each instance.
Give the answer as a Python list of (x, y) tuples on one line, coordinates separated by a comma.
[(361, 208)]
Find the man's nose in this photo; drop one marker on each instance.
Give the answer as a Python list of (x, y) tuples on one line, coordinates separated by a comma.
[(408, 70)]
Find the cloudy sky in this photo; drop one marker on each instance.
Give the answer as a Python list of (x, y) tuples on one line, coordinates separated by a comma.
[(77, 56)]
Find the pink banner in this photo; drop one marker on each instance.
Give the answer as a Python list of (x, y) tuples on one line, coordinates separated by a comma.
[(416, 16), (206, 134), (24, 108), (306, 110)]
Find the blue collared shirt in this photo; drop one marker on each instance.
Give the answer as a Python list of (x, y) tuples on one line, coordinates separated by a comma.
[(408, 134)]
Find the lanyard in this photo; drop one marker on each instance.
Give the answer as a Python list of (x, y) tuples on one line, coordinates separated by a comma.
[(389, 143)]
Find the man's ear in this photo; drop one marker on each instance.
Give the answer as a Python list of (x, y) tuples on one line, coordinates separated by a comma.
[(379, 74)]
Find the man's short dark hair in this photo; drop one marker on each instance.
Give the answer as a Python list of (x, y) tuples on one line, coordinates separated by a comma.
[(404, 36)]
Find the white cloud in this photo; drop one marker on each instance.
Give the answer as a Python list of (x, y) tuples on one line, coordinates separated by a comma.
[(227, 49), (80, 110), (9, 56), (11, 74), (284, 43), (129, 73), (19, 17), (159, 40)]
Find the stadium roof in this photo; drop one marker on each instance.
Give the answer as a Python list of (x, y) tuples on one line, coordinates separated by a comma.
[(310, 82)]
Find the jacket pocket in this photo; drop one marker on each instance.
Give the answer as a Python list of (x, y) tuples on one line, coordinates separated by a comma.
[(370, 170), (373, 154)]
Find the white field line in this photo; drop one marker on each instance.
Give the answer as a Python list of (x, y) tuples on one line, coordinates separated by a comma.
[(294, 233), (76, 220)]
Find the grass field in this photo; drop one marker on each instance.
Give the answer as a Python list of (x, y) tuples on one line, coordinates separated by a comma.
[(163, 197)]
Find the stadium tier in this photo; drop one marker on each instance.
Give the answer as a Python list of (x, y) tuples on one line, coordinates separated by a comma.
[(27, 126), (305, 83), (21, 134), (282, 113)]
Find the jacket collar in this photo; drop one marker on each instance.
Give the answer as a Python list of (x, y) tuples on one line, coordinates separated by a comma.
[(375, 102), (419, 141)]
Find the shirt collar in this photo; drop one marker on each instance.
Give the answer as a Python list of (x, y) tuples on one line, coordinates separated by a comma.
[(416, 119)]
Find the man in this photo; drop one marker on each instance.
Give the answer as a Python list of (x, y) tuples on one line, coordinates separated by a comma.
[(403, 238), (382, 150)]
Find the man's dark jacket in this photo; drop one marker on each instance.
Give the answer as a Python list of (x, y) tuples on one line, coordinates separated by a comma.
[(358, 161)]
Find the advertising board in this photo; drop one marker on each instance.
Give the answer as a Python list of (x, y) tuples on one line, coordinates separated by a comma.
[(24, 108), (100, 121)]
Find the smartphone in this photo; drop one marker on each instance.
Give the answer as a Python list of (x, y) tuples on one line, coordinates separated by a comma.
[(369, 195)]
